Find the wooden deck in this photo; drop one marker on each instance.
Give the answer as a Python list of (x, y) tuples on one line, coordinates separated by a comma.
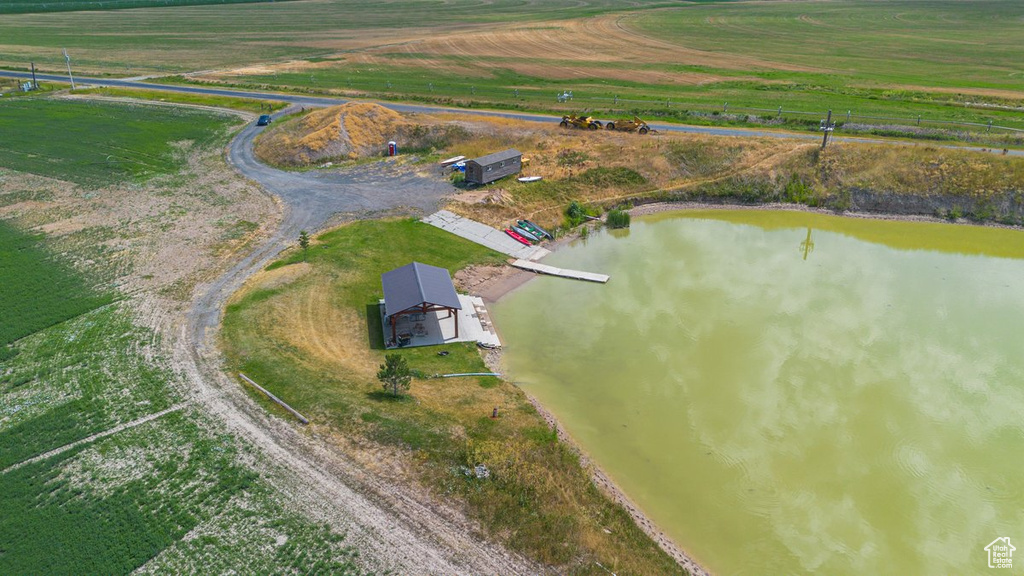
[(561, 272)]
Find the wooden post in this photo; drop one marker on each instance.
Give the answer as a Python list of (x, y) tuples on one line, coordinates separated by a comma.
[(456, 314)]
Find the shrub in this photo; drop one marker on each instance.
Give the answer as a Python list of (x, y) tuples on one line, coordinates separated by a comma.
[(618, 219), (796, 191), (575, 214)]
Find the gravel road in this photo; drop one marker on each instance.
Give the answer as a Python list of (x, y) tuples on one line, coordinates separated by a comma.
[(394, 528)]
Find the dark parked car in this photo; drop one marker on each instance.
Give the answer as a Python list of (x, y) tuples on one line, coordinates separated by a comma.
[(264, 120)]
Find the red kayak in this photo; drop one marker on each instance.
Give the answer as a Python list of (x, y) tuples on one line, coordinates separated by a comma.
[(517, 237)]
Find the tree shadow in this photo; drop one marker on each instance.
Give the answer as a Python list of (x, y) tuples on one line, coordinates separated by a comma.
[(382, 396), (374, 327)]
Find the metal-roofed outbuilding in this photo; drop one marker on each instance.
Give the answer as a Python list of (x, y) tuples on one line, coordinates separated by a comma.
[(487, 169), (417, 289)]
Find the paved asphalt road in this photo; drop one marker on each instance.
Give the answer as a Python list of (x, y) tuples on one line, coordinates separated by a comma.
[(314, 101)]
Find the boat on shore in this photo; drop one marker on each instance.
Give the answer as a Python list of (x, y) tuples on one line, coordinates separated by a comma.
[(537, 230), (522, 231), (530, 178), (452, 160), (517, 237)]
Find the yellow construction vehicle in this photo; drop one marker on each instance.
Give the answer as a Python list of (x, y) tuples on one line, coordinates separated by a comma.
[(634, 125), (575, 121)]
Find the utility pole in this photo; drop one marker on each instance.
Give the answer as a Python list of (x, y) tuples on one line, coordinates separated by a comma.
[(35, 85), (827, 126), (68, 60)]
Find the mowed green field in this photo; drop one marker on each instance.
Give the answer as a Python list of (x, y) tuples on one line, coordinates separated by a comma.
[(26, 6), (92, 143)]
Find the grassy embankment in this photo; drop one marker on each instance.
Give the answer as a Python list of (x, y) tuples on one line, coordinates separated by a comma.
[(605, 170), (243, 104), (74, 362), (310, 333)]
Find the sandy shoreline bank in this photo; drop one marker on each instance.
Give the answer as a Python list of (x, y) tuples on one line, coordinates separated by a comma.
[(495, 282)]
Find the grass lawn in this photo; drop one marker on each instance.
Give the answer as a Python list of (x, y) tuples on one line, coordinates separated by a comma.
[(100, 142), (309, 333)]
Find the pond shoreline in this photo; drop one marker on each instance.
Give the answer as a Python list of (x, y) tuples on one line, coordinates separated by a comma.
[(495, 283), (663, 206)]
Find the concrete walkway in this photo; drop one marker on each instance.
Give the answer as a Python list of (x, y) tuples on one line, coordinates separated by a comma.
[(484, 235), (562, 272)]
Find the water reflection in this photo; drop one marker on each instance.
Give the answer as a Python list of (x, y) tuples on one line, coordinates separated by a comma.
[(847, 417), (807, 246)]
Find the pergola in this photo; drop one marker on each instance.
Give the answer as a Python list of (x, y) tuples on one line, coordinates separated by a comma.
[(418, 289)]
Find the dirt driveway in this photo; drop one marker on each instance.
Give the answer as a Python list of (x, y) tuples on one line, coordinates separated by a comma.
[(395, 527)]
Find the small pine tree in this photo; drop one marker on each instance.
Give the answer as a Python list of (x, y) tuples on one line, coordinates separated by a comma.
[(394, 374), (304, 244)]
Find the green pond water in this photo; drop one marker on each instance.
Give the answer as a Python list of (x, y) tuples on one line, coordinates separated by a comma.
[(784, 392)]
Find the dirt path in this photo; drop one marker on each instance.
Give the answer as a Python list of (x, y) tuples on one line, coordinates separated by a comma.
[(395, 528)]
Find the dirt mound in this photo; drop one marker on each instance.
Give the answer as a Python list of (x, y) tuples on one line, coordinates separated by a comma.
[(347, 132)]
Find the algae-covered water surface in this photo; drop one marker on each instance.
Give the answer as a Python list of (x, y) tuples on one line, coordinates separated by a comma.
[(787, 392)]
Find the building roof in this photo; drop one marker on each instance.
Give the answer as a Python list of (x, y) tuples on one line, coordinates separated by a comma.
[(497, 157), (415, 284)]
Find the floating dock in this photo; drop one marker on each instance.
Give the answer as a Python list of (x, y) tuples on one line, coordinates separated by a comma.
[(561, 272)]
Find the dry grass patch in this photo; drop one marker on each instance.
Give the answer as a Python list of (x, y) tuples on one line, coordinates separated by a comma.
[(348, 132)]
